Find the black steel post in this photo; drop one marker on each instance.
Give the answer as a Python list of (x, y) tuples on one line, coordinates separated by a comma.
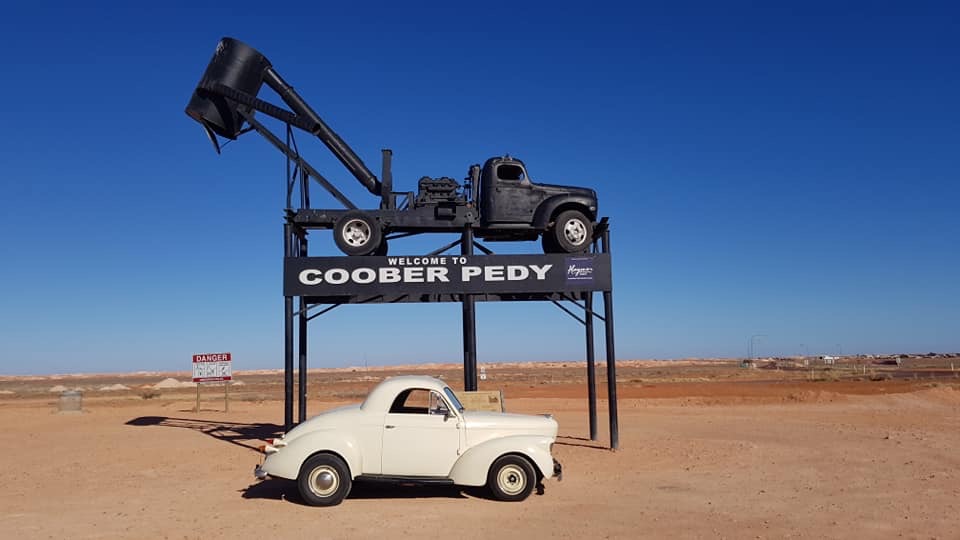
[(287, 338), (302, 333), (611, 355), (591, 368), (469, 323)]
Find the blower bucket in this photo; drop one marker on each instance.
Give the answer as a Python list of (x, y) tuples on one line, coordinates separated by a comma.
[(236, 66)]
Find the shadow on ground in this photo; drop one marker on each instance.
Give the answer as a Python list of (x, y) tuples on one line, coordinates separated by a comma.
[(563, 440), (286, 490), (245, 435)]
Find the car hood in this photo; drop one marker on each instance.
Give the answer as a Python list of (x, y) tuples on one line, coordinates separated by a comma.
[(481, 426)]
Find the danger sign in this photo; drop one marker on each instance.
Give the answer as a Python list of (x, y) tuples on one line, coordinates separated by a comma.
[(212, 367)]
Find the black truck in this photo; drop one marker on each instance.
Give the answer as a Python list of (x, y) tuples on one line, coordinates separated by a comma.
[(498, 200)]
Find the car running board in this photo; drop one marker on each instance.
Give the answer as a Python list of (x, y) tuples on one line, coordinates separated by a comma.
[(416, 480)]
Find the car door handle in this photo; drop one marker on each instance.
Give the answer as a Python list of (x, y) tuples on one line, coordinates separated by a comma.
[(389, 427)]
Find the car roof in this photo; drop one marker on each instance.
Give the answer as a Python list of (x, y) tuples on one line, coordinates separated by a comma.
[(382, 395)]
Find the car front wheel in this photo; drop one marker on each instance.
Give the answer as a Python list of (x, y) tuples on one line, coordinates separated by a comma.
[(324, 480), (511, 478)]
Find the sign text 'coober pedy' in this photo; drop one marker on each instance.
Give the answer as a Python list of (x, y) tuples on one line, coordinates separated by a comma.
[(514, 274)]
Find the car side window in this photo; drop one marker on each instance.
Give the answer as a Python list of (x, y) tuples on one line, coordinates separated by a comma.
[(438, 405), (418, 401), (412, 401)]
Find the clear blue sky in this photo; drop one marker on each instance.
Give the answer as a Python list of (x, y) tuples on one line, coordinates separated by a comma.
[(790, 171)]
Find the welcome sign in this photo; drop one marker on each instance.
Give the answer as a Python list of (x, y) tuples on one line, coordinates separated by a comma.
[(446, 274)]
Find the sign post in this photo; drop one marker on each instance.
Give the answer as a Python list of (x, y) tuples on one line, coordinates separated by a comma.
[(213, 368)]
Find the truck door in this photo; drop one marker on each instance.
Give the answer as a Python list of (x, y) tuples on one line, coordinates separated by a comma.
[(421, 435), (508, 196)]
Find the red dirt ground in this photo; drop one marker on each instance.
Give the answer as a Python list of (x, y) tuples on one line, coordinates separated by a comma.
[(707, 450)]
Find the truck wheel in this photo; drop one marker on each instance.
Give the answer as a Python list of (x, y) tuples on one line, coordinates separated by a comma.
[(381, 249), (511, 478), (324, 480), (356, 233), (572, 232)]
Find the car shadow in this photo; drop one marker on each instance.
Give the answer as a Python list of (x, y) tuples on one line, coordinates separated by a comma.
[(245, 435), (278, 489), (580, 442), (378, 490), (275, 489)]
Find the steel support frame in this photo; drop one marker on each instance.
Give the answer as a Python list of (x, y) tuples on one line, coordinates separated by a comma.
[(469, 323), (295, 244)]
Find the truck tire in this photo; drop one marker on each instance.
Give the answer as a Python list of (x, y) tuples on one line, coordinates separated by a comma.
[(511, 478), (324, 480), (548, 243), (572, 232), (356, 233)]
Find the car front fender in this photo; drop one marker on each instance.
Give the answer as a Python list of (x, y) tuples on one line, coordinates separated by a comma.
[(286, 462), (472, 467)]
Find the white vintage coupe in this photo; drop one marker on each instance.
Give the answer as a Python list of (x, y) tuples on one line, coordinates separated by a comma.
[(413, 429)]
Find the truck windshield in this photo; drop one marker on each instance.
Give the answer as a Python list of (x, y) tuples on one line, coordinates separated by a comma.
[(453, 398)]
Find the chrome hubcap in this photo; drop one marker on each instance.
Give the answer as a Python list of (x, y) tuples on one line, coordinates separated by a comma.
[(356, 232), (324, 481), (511, 479), (575, 231)]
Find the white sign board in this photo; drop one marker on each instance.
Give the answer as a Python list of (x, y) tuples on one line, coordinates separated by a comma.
[(212, 367)]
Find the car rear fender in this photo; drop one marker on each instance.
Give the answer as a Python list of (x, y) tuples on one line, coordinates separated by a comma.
[(286, 462), (472, 467)]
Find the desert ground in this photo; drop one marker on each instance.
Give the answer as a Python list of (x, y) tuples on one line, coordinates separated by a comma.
[(708, 449)]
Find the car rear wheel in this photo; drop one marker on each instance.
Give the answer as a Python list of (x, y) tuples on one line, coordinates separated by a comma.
[(511, 478), (324, 480)]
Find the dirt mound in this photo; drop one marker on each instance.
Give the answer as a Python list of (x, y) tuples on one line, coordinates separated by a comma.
[(58, 388), (938, 392), (113, 388), (170, 382), (813, 396)]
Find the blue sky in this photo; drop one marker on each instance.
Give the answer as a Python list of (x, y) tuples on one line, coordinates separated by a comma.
[(790, 171)]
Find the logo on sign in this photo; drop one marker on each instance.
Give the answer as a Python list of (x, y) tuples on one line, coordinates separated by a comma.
[(579, 269)]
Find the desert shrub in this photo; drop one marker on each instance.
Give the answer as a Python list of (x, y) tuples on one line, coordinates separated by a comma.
[(149, 394)]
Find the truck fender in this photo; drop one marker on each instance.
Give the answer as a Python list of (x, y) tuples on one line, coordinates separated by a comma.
[(287, 461), (472, 467), (547, 208)]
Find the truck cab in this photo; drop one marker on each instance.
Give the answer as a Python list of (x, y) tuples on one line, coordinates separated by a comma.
[(513, 207)]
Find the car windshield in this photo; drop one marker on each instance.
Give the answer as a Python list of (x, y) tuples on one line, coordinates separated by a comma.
[(453, 398)]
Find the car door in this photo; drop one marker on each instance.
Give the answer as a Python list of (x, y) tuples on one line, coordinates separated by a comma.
[(421, 435)]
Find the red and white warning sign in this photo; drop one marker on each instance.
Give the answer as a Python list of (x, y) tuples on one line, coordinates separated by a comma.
[(212, 367)]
